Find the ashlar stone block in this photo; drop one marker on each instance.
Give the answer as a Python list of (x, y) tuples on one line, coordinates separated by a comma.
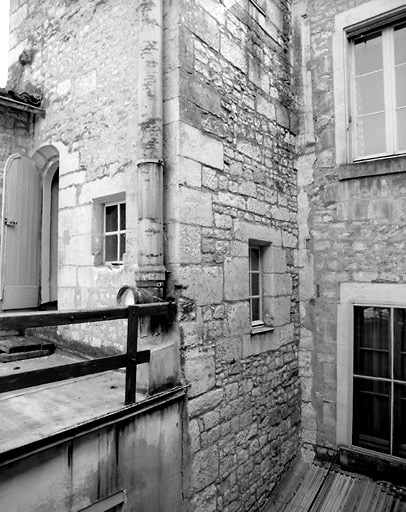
[(200, 371), (236, 283), (204, 286), (198, 146)]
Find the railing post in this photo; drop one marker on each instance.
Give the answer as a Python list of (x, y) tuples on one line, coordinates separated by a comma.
[(132, 342)]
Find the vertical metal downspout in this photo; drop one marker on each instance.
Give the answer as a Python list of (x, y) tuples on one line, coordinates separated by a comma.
[(151, 270)]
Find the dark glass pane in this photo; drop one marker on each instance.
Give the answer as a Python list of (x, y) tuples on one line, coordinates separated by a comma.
[(368, 53), (254, 258), (255, 313), (399, 421), (400, 44), (111, 248), (371, 135), (111, 218), (371, 414), (254, 284), (399, 334), (372, 341), (122, 246), (122, 216)]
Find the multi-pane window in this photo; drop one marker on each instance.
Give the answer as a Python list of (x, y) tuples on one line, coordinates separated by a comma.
[(114, 232), (379, 380), (255, 278), (378, 92)]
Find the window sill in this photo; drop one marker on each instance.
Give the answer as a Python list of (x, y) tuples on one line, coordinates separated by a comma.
[(375, 167), (261, 329), (374, 464)]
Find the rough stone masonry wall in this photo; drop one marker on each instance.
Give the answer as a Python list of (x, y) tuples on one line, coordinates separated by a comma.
[(350, 231), (230, 177), (82, 55)]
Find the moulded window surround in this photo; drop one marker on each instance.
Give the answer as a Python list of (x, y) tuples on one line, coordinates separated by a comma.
[(362, 368), (370, 24)]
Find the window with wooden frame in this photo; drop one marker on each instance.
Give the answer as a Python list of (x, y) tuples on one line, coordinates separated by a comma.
[(377, 90), (379, 379), (114, 232), (256, 285)]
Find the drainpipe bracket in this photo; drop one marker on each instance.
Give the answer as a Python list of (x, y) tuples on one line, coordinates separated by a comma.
[(150, 161)]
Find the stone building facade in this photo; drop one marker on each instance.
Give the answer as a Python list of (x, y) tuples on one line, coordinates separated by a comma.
[(351, 193), (205, 168)]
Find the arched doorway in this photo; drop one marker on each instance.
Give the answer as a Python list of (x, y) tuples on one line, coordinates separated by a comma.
[(47, 162), (30, 233)]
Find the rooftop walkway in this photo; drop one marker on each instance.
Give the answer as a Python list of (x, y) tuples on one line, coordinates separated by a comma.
[(30, 414), (313, 488)]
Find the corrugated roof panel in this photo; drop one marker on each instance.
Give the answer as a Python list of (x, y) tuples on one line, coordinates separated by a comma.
[(310, 488)]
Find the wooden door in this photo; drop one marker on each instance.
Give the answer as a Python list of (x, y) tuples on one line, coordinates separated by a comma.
[(21, 242)]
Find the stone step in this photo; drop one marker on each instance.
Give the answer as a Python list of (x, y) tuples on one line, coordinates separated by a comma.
[(19, 356), (24, 344)]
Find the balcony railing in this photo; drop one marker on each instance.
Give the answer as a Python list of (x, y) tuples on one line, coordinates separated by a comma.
[(129, 360)]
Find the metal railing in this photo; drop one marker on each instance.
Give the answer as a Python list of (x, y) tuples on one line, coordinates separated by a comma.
[(129, 360)]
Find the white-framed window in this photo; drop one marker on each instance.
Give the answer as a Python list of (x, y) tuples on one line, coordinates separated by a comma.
[(377, 75), (256, 295), (114, 232), (371, 367), (369, 81)]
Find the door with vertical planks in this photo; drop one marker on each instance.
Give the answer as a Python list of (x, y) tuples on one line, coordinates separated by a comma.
[(21, 239)]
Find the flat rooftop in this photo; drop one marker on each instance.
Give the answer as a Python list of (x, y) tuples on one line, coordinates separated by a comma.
[(34, 413)]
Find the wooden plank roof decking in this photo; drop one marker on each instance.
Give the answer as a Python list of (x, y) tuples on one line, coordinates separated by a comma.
[(311, 488), (38, 412)]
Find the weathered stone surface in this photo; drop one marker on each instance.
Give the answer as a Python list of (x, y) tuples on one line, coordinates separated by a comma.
[(229, 179), (199, 371)]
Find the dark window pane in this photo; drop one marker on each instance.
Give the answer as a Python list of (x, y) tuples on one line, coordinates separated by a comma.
[(254, 258), (371, 415), (371, 341), (399, 334), (254, 284), (255, 310), (399, 434), (122, 216), (122, 246), (400, 44), (111, 248), (111, 218), (368, 53)]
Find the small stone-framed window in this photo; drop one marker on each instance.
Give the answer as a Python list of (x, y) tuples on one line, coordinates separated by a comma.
[(114, 232), (109, 229), (256, 295)]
